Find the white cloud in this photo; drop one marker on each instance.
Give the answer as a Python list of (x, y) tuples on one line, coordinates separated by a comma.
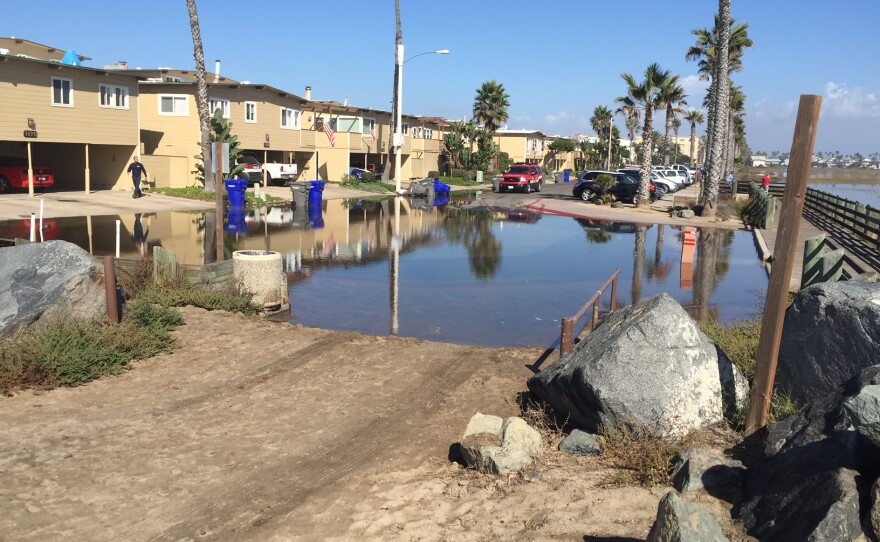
[(767, 110), (842, 102), (556, 118), (695, 88)]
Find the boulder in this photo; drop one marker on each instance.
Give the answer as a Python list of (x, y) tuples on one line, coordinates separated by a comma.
[(815, 471), (698, 468), (42, 282), (864, 412), (831, 332), (681, 521), (647, 364), (685, 213), (874, 518), (581, 443), (495, 446)]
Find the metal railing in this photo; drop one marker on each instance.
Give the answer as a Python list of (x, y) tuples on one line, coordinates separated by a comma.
[(567, 336)]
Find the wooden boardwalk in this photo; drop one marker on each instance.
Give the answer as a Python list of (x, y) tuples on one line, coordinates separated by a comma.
[(859, 259)]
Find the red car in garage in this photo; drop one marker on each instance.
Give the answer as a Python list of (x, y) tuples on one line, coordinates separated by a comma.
[(14, 174)]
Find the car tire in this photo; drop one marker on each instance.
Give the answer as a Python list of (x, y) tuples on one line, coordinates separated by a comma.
[(528, 188), (4, 185), (586, 195), (539, 186)]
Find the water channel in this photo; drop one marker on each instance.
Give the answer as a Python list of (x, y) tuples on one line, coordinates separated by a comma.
[(486, 277)]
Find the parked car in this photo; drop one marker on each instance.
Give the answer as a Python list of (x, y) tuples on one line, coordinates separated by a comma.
[(524, 177), (14, 174), (361, 174), (276, 173), (678, 177), (662, 182), (625, 189), (689, 173)]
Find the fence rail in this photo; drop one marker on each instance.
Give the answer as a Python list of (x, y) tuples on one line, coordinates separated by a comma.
[(860, 220), (567, 335)]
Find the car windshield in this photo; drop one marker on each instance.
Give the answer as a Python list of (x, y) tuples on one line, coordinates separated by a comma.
[(518, 169)]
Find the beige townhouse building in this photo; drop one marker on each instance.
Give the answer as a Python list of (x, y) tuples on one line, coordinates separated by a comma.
[(81, 122)]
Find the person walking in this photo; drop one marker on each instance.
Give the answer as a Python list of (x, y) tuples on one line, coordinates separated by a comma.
[(136, 169), (765, 182)]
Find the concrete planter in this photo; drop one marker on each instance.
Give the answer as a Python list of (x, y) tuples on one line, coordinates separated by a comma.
[(259, 273)]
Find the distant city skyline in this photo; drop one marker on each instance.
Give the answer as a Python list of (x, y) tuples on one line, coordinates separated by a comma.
[(570, 64)]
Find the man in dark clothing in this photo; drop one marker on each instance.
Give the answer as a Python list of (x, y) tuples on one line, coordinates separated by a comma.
[(136, 169)]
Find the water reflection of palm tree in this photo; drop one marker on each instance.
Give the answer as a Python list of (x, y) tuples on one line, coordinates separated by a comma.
[(474, 231), (638, 262), (657, 269), (709, 270)]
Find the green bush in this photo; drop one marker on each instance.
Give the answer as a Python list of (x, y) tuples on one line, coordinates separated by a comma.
[(179, 295)]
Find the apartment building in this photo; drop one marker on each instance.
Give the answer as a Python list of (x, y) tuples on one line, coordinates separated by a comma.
[(82, 122)]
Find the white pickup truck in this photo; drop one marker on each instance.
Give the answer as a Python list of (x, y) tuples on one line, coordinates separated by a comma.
[(276, 173)]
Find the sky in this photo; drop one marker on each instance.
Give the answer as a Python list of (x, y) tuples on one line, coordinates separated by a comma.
[(557, 59)]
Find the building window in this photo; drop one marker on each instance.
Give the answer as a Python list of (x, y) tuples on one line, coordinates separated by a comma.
[(250, 111), (290, 118), (369, 125), (174, 105), (404, 128), (348, 124), (429, 133), (62, 91), (218, 103), (113, 96)]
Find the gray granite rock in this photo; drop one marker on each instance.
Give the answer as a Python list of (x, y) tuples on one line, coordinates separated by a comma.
[(831, 332), (648, 364), (495, 446), (685, 213), (581, 443), (698, 468), (42, 282), (864, 412), (681, 521)]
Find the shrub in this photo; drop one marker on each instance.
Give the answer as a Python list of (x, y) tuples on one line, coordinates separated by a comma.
[(640, 454), (607, 199), (181, 294), (433, 174)]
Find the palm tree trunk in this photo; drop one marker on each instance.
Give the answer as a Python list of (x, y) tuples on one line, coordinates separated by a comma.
[(638, 262), (398, 41), (731, 141), (647, 147), (693, 136), (668, 133), (201, 95), (721, 104)]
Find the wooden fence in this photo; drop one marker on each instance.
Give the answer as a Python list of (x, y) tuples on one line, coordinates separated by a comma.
[(860, 220), (165, 267), (567, 336)]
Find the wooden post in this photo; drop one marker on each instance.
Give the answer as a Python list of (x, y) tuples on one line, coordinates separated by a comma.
[(831, 266), (786, 246), (770, 214), (566, 339), (812, 256), (614, 294), (595, 314), (218, 199), (862, 222), (110, 289)]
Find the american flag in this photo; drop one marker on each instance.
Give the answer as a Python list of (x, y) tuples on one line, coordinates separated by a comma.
[(329, 131), (372, 135)]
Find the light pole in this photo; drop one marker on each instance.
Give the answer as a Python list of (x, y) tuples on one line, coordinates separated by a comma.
[(398, 122)]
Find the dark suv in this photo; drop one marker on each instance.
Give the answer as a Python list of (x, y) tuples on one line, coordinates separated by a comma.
[(525, 177), (625, 189)]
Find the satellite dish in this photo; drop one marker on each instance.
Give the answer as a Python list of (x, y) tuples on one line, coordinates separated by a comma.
[(71, 59)]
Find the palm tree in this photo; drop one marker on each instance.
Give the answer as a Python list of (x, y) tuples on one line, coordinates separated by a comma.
[(600, 122), (672, 96), (490, 105), (676, 126), (694, 116), (718, 111), (398, 62), (201, 94), (646, 96)]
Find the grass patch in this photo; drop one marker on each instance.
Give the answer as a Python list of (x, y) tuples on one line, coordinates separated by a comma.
[(74, 353), (183, 294), (739, 340), (198, 193), (640, 454), (458, 181)]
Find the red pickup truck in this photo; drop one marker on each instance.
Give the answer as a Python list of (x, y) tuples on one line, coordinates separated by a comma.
[(14, 174)]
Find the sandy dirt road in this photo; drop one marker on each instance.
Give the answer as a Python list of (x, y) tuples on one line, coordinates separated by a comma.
[(260, 431)]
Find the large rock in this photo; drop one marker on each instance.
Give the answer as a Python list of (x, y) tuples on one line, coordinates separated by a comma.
[(813, 479), (55, 280), (698, 468), (581, 443), (495, 446), (681, 521), (864, 412), (648, 364), (831, 332)]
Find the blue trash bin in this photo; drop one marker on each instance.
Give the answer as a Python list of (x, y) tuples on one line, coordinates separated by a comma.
[(440, 188), (441, 200), (566, 176), (235, 221), (316, 218), (236, 189)]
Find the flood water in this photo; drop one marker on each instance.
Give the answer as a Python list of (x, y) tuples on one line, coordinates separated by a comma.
[(862, 185), (488, 277)]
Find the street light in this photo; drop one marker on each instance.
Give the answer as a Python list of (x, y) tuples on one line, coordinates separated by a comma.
[(398, 126)]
